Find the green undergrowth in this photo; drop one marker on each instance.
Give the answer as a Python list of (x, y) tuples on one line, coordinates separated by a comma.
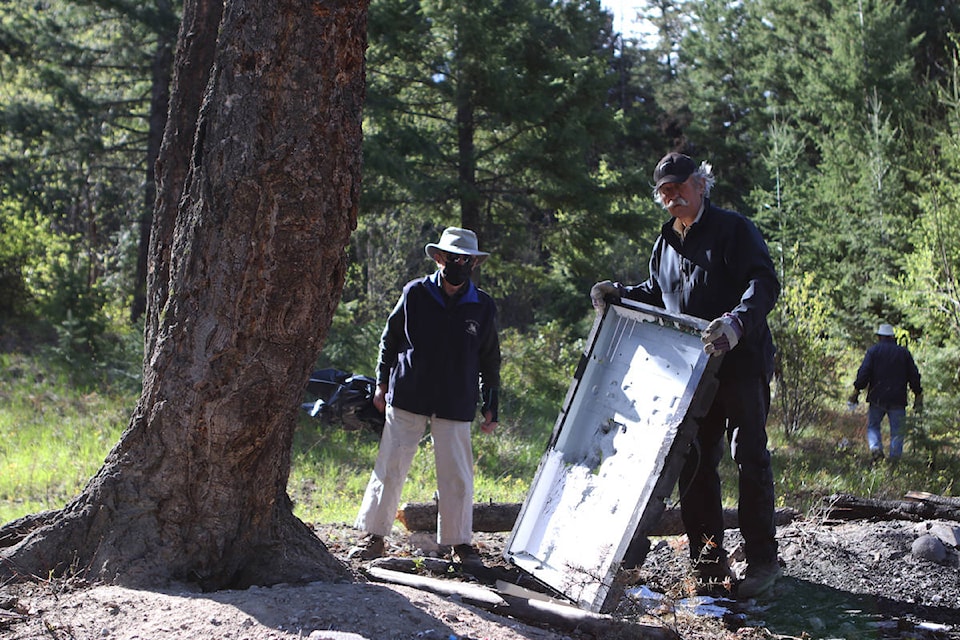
[(833, 459), (54, 436), (331, 467)]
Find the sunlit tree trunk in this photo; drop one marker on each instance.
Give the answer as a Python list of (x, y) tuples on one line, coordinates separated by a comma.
[(246, 270)]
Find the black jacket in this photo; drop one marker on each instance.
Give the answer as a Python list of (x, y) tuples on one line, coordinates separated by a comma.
[(722, 266), (886, 371), (440, 353)]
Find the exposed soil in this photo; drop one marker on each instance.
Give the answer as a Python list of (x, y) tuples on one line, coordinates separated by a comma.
[(850, 580)]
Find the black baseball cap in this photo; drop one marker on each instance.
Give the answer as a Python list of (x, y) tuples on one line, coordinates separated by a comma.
[(673, 167)]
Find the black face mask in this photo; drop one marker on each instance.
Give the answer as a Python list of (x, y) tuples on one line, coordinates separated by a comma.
[(455, 273)]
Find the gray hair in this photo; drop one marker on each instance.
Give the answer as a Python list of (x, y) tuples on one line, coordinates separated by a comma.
[(703, 172)]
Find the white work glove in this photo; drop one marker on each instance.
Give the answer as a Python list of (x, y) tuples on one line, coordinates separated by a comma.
[(721, 335), (599, 293)]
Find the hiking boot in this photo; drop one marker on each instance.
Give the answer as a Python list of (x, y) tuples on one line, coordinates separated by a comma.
[(759, 579), (370, 546), (466, 554), (876, 456)]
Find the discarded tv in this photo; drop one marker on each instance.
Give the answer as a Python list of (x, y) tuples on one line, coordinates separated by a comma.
[(615, 453)]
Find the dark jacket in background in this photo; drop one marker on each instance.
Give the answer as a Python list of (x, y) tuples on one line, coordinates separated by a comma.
[(886, 371)]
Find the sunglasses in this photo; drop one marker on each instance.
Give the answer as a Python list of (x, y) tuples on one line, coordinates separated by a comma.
[(456, 258), (671, 189)]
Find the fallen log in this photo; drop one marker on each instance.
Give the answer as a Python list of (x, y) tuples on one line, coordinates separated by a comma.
[(535, 611), (488, 517), (915, 508), (436, 566), (932, 497), (501, 516), (670, 523)]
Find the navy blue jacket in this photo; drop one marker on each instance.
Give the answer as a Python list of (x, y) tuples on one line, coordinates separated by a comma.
[(722, 266), (886, 371), (438, 353)]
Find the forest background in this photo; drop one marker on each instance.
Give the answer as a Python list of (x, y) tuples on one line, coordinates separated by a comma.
[(833, 124)]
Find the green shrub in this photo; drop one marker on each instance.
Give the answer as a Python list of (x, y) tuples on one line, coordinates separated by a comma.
[(806, 372), (351, 345), (55, 434), (30, 252), (537, 369)]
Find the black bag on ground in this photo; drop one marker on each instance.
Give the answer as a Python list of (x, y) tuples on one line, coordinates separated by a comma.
[(345, 398)]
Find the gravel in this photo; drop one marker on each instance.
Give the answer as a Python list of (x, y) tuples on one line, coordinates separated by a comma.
[(876, 580)]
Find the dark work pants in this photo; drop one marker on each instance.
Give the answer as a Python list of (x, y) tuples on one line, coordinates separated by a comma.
[(739, 412)]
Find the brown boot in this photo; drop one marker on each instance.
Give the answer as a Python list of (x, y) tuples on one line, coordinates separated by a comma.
[(467, 555), (370, 546), (760, 579)]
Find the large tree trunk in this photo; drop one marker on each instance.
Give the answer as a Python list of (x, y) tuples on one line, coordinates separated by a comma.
[(161, 71), (243, 288), (196, 48)]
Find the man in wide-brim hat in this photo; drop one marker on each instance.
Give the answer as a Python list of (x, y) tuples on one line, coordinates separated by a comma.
[(456, 241), (439, 359)]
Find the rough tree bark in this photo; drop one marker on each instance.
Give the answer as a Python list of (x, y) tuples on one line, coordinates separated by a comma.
[(246, 271), (161, 72), (196, 49)]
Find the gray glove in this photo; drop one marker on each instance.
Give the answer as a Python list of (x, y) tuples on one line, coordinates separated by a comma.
[(721, 335), (601, 292)]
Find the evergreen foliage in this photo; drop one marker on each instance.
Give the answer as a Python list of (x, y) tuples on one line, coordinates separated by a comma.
[(494, 117), (74, 91), (833, 124)]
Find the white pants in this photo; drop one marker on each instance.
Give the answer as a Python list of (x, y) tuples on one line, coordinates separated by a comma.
[(453, 457)]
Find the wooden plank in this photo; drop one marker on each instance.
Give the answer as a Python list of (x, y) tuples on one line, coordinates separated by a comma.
[(557, 616), (923, 496), (470, 593)]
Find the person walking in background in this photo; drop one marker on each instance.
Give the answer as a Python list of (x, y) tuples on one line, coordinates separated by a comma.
[(439, 357), (713, 264), (887, 370)]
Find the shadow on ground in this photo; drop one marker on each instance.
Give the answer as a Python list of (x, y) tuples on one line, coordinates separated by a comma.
[(800, 608)]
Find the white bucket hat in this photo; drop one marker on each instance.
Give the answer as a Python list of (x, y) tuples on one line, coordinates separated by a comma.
[(457, 240), (885, 330)]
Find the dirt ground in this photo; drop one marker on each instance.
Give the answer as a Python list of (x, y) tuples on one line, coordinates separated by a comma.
[(851, 580)]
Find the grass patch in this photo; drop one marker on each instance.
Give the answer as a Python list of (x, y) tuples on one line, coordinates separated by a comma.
[(329, 471), (331, 467), (55, 436), (833, 458)]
